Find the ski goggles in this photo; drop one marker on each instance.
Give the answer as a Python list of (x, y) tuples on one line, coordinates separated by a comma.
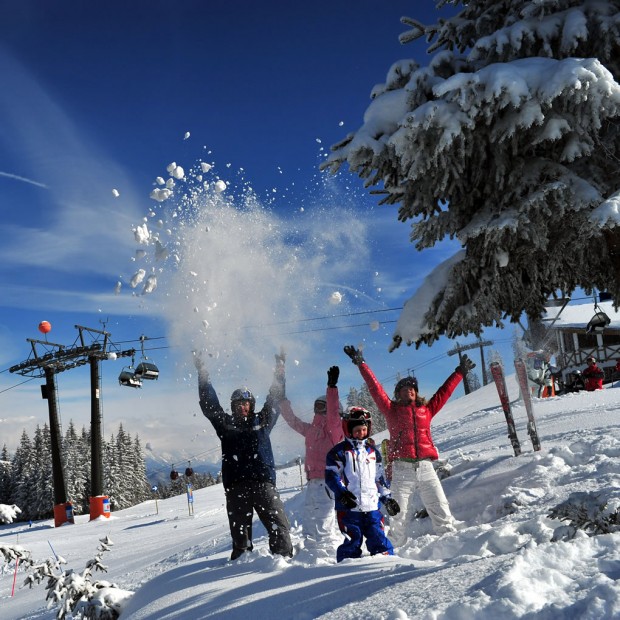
[(320, 406)]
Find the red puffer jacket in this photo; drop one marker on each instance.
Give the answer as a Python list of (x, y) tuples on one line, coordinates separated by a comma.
[(409, 426)]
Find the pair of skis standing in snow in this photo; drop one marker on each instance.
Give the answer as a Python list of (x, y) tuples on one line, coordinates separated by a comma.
[(500, 382)]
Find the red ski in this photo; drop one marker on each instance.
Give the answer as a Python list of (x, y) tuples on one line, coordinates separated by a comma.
[(500, 382)]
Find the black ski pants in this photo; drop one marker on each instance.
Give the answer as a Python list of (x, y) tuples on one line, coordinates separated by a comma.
[(242, 498)]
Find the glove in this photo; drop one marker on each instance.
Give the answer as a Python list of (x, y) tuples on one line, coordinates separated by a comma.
[(332, 376), (465, 366), (348, 500), (278, 388), (355, 354), (391, 506), (199, 364)]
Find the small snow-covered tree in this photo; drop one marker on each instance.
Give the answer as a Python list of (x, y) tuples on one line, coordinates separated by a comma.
[(78, 595), (508, 141), (5, 475)]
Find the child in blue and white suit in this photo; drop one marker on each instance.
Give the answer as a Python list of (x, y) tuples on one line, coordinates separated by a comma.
[(354, 473)]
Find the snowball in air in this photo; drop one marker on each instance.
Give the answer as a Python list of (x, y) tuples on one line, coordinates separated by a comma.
[(112, 356), (150, 285), (186, 136), (115, 193), (205, 167), (160, 194), (141, 234), (335, 298), (137, 278), (220, 186)]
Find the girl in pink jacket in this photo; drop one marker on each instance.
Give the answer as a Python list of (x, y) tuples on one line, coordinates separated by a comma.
[(411, 448), (321, 435)]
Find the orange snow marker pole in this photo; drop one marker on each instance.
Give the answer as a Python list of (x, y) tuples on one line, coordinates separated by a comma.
[(15, 576)]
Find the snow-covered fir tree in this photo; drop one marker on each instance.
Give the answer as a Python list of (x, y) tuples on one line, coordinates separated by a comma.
[(5, 475), (508, 141), (41, 481), (28, 481)]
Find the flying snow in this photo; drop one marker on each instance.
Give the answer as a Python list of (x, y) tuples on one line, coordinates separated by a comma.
[(223, 254), (335, 298)]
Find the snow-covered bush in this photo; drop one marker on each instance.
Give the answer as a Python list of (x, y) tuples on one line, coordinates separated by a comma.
[(14, 553), (8, 514), (76, 594), (588, 512)]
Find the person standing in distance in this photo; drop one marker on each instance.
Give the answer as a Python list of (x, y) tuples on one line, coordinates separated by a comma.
[(593, 375), (248, 469), (411, 448), (320, 435)]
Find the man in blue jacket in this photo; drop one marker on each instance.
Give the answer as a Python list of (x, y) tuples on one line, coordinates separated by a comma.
[(248, 470)]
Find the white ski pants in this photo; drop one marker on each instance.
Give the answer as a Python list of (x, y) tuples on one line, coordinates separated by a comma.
[(407, 477), (319, 518)]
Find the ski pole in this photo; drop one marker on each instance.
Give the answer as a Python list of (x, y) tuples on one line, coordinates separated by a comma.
[(52, 548), (15, 576)]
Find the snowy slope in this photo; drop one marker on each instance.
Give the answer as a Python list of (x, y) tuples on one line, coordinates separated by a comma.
[(501, 565)]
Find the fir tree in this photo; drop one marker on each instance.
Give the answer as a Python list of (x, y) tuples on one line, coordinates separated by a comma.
[(509, 141), (22, 468), (5, 475), (76, 459), (41, 479)]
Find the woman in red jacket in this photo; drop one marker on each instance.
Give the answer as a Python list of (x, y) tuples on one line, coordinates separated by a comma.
[(412, 450)]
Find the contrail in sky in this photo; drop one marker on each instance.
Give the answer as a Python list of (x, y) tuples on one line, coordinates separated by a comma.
[(18, 178)]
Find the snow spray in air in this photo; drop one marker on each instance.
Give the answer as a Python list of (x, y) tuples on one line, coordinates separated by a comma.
[(234, 279)]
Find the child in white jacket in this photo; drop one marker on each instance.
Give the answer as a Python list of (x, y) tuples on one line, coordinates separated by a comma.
[(354, 473)]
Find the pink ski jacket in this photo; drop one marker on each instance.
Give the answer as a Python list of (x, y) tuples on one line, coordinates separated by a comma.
[(409, 425), (321, 435)]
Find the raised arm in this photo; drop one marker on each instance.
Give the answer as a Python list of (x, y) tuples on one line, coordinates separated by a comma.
[(277, 395), (378, 394), (209, 402), (334, 422)]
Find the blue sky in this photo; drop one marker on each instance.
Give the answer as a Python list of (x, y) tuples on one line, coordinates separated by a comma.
[(100, 96)]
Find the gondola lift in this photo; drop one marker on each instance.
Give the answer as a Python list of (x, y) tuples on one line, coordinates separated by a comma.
[(174, 474), (189, 472)]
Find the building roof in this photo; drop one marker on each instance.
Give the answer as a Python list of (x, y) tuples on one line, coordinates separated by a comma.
[(577, 316)]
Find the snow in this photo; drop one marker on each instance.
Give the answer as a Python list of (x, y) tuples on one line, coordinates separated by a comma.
[(503, 563), (412, 323)]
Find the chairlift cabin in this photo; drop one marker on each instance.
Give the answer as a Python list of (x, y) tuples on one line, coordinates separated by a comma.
[(129, 378), (174, 474), (598, 322), (147, 370), (189, 472)]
